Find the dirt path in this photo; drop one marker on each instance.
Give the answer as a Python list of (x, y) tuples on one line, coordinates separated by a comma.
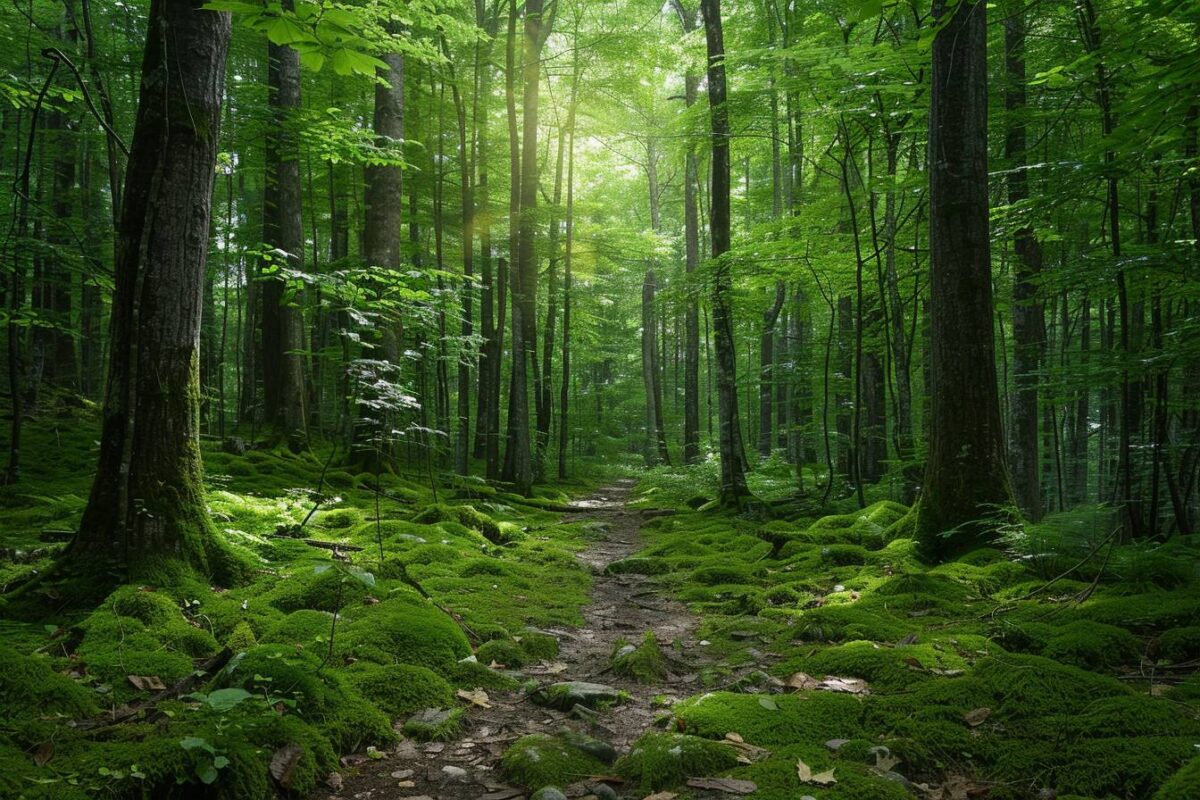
[(622, 607)]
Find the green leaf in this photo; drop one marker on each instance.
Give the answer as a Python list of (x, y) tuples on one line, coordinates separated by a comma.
[(225, 699), (768, 704)]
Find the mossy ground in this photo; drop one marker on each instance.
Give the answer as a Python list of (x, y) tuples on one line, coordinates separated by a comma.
[(506, 570), (973, 668)]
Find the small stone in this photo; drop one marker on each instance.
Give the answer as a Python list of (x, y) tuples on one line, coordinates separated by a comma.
[(454, 773), (835, 744), (741, 636), (839, 588), (402, 774), (705, 642), (548, 793), (569, 694), (604, 792)]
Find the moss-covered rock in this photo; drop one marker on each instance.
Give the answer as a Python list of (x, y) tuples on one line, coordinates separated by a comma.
[(643, 663), (541, 760), (1180, 644), (434, 724), (1183, 785), (502, 651), (660, 760), (30, 688), (470, 517), (771, 721)]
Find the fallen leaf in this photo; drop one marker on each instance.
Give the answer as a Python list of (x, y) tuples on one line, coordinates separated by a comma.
[(976, 716), (43, 754), (283, 764), (147, 683), (496, 665), (477, 696), (730, 785), (802, 681), (334, 781), (661, 796), (734, 737), (806, 775), (885, 761), (768, 704), (847, 685)]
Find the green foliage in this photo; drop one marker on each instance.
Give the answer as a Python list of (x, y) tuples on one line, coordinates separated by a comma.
[(661, 760)]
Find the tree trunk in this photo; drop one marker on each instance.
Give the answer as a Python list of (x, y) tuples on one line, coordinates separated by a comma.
[(1028, 321), (733, 478), (146, 513), (518, 458), (282, 319), (966, 480), (767, 370)]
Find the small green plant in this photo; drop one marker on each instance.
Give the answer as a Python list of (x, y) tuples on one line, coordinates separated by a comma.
[(207, 762)]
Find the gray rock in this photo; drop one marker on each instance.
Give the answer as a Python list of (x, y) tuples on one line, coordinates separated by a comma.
[(604, 792), (548, 793), (453, 773), (591, 745), (568, 694)]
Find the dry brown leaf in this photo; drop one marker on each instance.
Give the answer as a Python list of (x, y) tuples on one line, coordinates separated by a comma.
[(496, 665), (43, 754), (806, 775), (977, 716), (801, 681), (283, 764), (147, 683), (477, 696), (734, 737), (847, 685)]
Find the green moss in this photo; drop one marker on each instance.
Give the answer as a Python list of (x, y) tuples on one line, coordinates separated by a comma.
[(1183, 785), (303, 588), (403, 631), (776, 777), (468, 674), (145, 605), (305, 628), (660, 760), (1180, 644), (470, 517), (339, 519), (400, 689), (539, 646), (771, 721), (1144, 613), (848, 622), (1092, 645), (242, 638), (501, 651), (30, 688), (644, 663), (434, 725), (1025, 686), (321, 695), (540, 760), (115, 647), (884, 668)]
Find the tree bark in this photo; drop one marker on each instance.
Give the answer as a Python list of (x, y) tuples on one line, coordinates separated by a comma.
[(966, 480), (1027, 315), (282, 319), (146, 513), (733, 478)]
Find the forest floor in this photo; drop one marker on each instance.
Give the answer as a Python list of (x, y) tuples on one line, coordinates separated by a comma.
[(397, 639), (622, 609)]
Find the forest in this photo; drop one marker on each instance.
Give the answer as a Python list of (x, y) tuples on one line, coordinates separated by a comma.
[(598, 399)]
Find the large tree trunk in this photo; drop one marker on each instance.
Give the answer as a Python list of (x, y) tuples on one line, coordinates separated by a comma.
[(966, 481), (146, 513), (518, 458), (1028, 322), (733, 478), (282, 320)]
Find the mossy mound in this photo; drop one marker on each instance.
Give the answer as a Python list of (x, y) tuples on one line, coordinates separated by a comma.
[(643, 663), (771, 721), (884, 668), (399, 689), (1183, 785), (541, 760), (502, 651), (1092, 645), (403, 631), (660, 760), (1180, 644), (434, 724), (306, 628), (777, 779), (469, 517), (538, 646), (30, 688), (850, 622), (321, 695)]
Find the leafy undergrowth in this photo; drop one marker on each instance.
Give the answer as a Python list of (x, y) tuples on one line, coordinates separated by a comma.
[(841, 652), (294, 690)]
